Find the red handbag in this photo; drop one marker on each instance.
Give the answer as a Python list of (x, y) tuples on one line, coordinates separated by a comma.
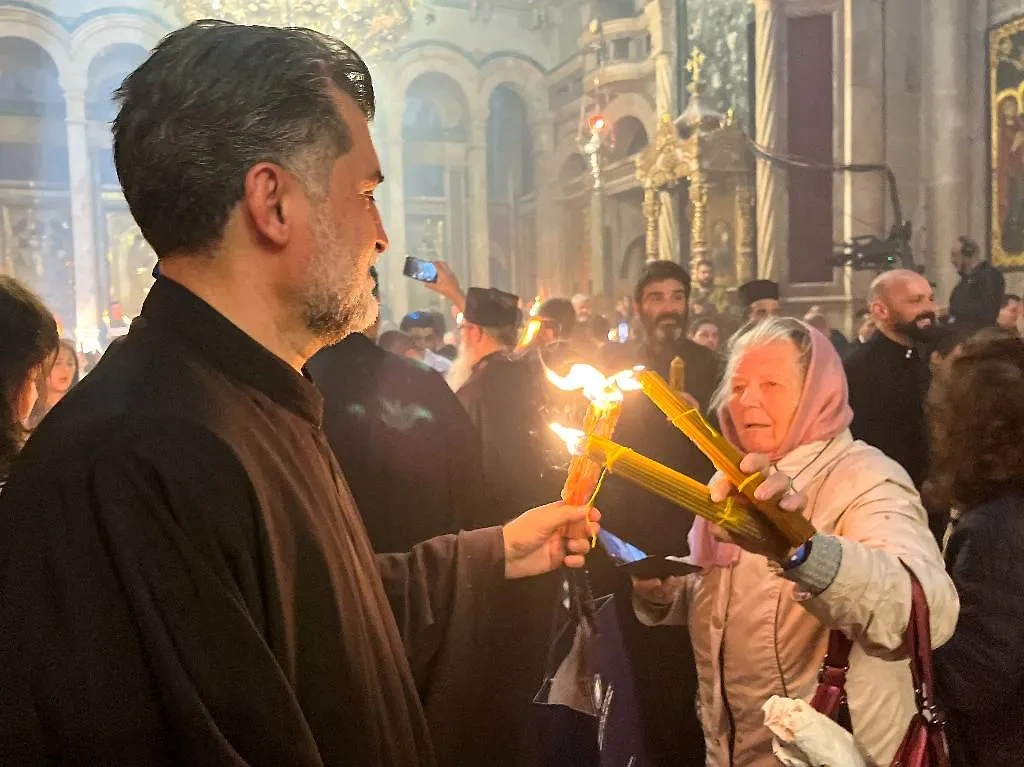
[(923, 745)]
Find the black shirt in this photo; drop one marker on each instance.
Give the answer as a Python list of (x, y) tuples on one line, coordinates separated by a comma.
[(184, 578), (888, 384), (978, 297), (403, 441)]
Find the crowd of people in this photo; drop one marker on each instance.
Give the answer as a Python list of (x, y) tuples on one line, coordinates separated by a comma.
[(198, 539)]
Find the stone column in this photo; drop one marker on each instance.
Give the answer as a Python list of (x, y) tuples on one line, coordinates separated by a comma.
[(552, 270), (598, 251), (479, 229), (946, 135), (769, 42), (83, 220), (865, 202), (395, 286), (660, 24)]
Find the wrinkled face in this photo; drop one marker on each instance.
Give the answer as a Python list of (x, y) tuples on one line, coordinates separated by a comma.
[(343, 239), (425, 338), (764, 308), (908, 307), (705, 276), (663, 308), (764, 395), (707, 334), (1009, 315), (62, 374)]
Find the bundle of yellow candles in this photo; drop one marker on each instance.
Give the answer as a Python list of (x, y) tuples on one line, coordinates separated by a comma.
[(794, 527), (671, 485)]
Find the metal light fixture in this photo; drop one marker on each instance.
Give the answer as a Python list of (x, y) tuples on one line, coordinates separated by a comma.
[(369, 26)]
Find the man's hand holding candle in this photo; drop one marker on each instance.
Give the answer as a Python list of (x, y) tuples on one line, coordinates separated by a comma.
[(777, 487), (536, 542)]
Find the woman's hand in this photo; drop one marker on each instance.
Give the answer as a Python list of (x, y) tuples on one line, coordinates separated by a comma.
[(777, 488)]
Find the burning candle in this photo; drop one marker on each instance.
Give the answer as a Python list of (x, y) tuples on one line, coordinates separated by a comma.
[(671, 485), (726, 458), (602, 416)]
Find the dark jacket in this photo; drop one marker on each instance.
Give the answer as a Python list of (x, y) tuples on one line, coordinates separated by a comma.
[(980, 671), (403, 441), (888, 383), (978, 297)]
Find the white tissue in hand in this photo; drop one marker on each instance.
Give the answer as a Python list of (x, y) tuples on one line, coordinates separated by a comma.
[(806, 738)]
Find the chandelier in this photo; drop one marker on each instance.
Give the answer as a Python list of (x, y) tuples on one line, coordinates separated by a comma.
[(371, 27)]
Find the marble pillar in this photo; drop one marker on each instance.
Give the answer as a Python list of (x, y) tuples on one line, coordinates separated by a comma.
[(769, 45), (552, 268), (479, 228), (864, 209), (395, 287), (660, 18), (946, 136), (83, 221)]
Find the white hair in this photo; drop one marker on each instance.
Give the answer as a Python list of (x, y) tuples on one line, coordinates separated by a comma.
[(771, 330)]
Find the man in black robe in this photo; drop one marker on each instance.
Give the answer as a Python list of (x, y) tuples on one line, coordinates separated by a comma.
[(976, 300), (184, 578), (663, 663), (889, 375), (759, 299), (403, 441)]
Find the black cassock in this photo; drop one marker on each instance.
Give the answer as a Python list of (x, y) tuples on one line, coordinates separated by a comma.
[(507, 403), (662, 657), (184, 578), (404, 443)]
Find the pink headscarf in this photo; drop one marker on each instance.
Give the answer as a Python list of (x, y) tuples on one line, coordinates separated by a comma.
[(822, 413)]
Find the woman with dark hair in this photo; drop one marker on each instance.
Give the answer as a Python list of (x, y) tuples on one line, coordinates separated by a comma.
[(976, 410), (63, 374), (28, 338)]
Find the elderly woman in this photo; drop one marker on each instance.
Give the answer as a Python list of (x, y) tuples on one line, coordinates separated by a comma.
[(760, 628), (976, 411)]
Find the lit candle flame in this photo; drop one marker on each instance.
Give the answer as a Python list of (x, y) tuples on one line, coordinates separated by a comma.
[(572, 437), (593, 383)]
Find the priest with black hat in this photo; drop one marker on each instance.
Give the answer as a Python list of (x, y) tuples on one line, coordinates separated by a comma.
[(506, 400), (760, 299)]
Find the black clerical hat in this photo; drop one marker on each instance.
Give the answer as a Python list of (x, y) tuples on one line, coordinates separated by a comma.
[(757, 290), (491, 308)]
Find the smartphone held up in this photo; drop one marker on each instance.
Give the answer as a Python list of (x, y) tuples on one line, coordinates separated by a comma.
[(418, 269)]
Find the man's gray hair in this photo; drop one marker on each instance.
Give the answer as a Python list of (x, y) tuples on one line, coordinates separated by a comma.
[(213, 100), (771, 330)]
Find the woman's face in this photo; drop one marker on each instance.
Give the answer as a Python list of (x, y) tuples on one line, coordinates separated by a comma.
[(62, 374), (766, 390)]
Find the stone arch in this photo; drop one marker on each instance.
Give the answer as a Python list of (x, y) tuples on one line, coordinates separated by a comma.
[(43, 30), (629, 136), (106, 71), (29, 80), (519, 75), (435, 108), (632, 105), (420, 60), (102, 32)]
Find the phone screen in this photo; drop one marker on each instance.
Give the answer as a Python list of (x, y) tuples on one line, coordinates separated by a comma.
[(619, 550), (421, 270)]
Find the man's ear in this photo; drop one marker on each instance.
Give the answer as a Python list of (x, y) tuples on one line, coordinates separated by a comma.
[(269, 202)]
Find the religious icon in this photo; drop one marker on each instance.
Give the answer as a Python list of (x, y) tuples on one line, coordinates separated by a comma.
[(1006, 194)]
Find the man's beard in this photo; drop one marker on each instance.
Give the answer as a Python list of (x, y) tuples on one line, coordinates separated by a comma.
[(335, 305), (462, 367), (915, 333), (665, 328)]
